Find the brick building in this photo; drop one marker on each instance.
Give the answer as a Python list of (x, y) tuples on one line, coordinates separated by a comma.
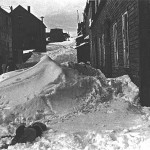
[(5, 36), (28, 32), (120, 40)]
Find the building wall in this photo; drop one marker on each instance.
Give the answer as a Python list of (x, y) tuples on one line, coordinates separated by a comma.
[(144, 15), (56, 35), (112, 12), (5, 36), (28, 33)]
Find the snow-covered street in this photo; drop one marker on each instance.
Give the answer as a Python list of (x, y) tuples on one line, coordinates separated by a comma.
[(82, 108)]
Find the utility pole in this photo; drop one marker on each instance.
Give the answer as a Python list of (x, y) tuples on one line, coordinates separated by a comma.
[(42, 43), (78, 18)]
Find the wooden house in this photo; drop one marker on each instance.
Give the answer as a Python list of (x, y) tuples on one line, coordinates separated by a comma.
[(120, 41), (56, 35), (5, 37), (28, 32)]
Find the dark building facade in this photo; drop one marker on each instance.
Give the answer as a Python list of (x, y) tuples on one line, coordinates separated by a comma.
[(82, 44), (5, 36), (119, 41), (84, 32), (28, 32), (56, 35)]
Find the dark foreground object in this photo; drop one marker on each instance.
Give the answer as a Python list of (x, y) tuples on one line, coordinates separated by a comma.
[(27, 134)]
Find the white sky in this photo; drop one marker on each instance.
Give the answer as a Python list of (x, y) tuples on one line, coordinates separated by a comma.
[(49, 8)]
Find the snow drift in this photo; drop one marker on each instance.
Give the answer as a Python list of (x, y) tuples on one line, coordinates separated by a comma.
[(82, 108), (50, 88), (20, 88)]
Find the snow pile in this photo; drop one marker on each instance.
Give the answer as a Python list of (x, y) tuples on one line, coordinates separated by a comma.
[(84, 109), (60, 52), (25, 85), (125, 88), (49, 89), (108, 140), (46, 87), (70, 42)]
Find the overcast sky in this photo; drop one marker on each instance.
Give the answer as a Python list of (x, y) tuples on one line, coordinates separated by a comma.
[(57, 13)]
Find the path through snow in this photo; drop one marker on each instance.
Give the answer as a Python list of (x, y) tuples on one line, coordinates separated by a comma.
[(85, 110)]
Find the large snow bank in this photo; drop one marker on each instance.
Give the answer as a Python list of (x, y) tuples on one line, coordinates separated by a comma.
[(26, 85), (63, 51), (55, 89), (91, 111)]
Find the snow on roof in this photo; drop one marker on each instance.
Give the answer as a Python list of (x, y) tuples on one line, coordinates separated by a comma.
[(81, 35), (81, 44), (87, 37), (27, 51)]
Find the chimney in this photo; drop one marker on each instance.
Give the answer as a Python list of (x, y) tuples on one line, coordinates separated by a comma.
[(29, 9), (42, 18), (11, 8)]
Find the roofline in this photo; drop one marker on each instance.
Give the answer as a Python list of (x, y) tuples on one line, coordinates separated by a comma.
[(29, 13), (1, 9)]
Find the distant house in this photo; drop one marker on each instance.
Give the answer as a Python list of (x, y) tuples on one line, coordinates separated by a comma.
[(28, 32), (119, 32), (5, 36), (66, 36), (56, 35)]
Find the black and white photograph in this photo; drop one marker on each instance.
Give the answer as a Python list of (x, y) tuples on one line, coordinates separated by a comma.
[(74, 74)]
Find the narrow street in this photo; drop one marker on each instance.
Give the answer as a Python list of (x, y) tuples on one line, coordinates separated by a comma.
[(74, 75), (81, 107)]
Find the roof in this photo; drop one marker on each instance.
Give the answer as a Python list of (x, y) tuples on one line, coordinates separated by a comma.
[(82, 44), (19, 6), (5, 12), (81, 35), (87, 37), (27, 51)]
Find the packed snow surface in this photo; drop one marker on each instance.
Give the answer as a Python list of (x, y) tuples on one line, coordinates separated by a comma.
[(83, 109)]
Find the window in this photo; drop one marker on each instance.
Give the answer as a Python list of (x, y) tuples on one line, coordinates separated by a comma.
[(115, 44), (125, 39), (96, 49), (100, 51), (103, 50), (91, 48)]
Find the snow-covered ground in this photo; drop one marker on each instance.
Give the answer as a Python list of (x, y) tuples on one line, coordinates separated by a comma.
[(81, 107)]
